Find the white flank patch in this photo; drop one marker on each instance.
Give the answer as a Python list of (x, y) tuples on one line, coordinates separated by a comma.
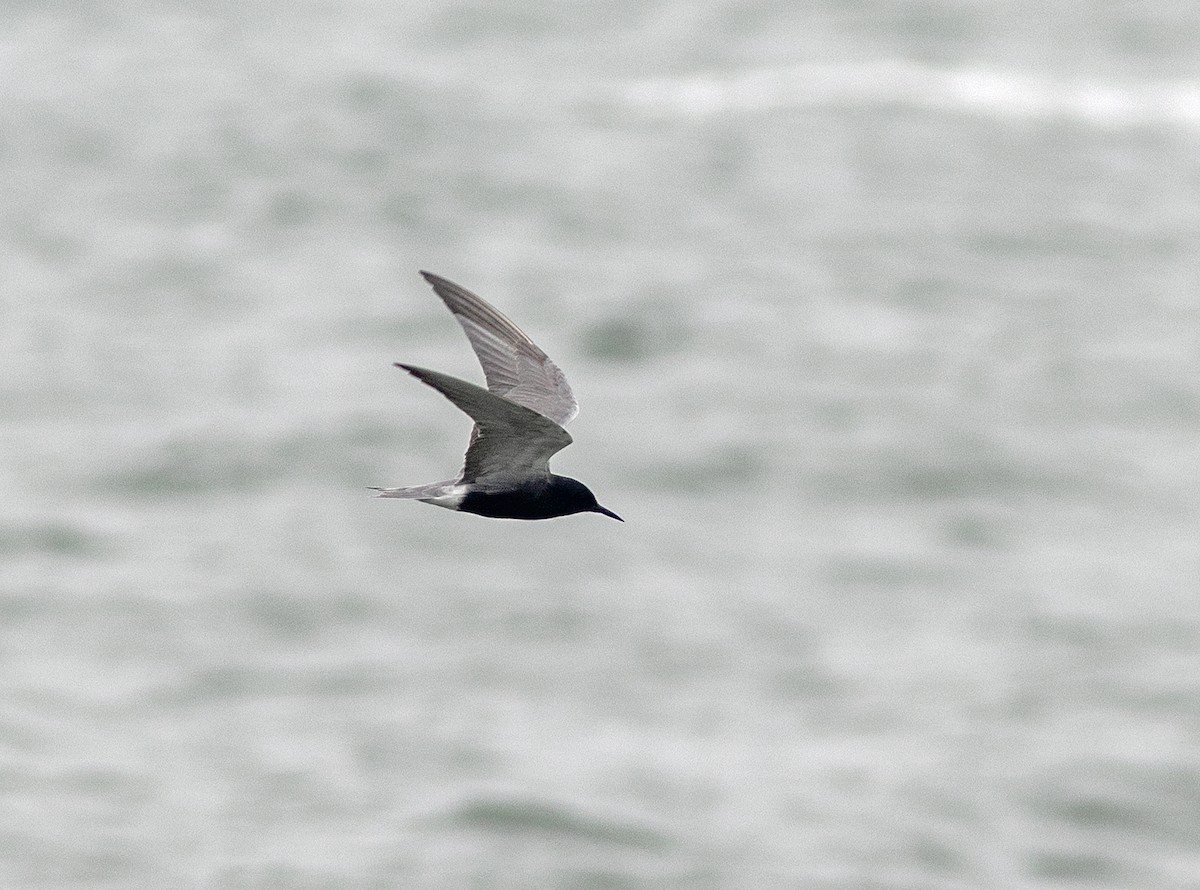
[(451, 499)]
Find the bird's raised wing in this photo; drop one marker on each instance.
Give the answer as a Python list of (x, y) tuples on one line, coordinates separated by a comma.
[(515, 367), (508, 440)]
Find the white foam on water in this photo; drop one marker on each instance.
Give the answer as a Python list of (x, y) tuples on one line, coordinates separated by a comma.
[(970, 90)]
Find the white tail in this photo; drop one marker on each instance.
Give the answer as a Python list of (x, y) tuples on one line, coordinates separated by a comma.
[(443, 494)]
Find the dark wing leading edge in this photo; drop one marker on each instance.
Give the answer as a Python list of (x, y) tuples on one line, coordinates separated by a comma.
[(515, 367), (509, 439)]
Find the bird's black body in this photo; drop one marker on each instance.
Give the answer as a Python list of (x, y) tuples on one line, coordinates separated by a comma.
[(518, 422), (534, 499)]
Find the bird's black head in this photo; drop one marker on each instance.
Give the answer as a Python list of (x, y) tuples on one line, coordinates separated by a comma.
[(577, 497)]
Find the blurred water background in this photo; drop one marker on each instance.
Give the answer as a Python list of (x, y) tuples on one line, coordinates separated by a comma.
[(883, 320)]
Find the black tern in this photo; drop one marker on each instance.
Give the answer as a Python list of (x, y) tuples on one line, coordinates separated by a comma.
[(518, 422)]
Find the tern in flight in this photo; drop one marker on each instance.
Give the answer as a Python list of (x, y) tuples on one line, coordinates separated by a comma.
[(518, 422)]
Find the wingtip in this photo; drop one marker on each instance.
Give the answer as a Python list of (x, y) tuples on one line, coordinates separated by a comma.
[(421, 374)]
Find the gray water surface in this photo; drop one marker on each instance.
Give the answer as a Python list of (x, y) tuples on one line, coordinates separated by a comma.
[(884, 324)]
